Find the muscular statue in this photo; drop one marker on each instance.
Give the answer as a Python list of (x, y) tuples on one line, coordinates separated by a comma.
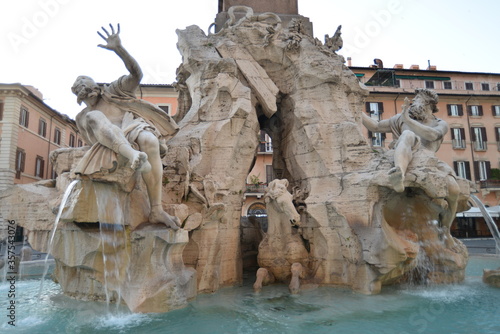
[(416, 126), (118, 125)]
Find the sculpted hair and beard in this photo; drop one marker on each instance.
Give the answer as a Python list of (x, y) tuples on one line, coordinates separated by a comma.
[(90, 89), (417, 111)]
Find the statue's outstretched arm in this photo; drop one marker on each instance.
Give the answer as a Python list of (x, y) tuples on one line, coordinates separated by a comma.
[(113, 43), (375, 126)]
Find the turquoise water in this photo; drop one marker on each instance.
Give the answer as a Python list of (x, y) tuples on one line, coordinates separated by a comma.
[(469, 307)]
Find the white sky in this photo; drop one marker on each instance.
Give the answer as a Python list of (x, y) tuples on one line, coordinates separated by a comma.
[(48, 43)]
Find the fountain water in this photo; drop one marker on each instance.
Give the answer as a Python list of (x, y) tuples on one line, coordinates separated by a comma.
[(4, 269), (467, 307), (114, 241), (489, 221), (65, 197)]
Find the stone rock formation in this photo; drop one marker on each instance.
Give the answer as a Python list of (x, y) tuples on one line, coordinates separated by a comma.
[(283, 81), (492, 277), (254, 74)]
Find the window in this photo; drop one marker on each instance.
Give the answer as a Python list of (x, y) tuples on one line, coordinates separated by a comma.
[(20, 159), (458, 138), (485, 86), (375, 109), (269, 173), (42, 127), (397, 83), (57, 136), (455, 109), (165, 108), (24, 117), (71, 140), (482, 170), (39, 166), (469, 86), (497, 136), (257, 210), (377, 138), (475, 110), (53, 174), (80, 143), (266, 144), (462, 168), (1, 109), (495, 110), (498, 86), (447, 85), (479, 138), (429, 84)]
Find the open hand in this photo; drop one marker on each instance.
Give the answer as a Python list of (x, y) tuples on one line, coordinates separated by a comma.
[(113, 40)]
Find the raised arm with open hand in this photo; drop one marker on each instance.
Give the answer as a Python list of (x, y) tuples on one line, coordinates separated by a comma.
[(113, 40)]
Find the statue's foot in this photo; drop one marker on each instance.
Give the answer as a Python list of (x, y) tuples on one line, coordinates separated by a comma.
[(158, 216), (396, 178), (140, 162)]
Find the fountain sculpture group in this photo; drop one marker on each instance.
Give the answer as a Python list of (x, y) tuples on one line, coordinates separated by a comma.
[(355, 218)]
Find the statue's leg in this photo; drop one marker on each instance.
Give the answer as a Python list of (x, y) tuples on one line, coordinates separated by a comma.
[(449, 216), (111, 136), (149, 144), (402, 157)]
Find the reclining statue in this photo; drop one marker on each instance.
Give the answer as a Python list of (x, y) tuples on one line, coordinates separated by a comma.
[(416, 126), (119, 125)]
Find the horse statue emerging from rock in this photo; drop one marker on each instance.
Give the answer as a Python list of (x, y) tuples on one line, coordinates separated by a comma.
[(282, 245)]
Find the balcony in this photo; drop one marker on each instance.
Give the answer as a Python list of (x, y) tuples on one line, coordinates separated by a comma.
[(490, 184), (458, 143), (266, 147), (256, 188), (479, 145)]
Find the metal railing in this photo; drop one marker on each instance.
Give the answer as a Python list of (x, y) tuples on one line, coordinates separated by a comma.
[(490, 183), (458, 143), (256, 188), (266, 147), (479, 146)]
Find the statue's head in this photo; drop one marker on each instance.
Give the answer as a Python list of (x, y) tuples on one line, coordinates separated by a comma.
[(85, 87), (429, 97), (424, 104)]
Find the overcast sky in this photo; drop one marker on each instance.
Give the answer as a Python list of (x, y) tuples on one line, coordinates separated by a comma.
[(48, 43)]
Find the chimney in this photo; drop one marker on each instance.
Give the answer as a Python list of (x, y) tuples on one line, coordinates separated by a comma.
[(414, 67), (349, 61), (378, 62), (398, 66)]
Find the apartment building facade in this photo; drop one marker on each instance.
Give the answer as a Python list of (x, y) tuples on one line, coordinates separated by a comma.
[(29, 131), (470, 103)]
